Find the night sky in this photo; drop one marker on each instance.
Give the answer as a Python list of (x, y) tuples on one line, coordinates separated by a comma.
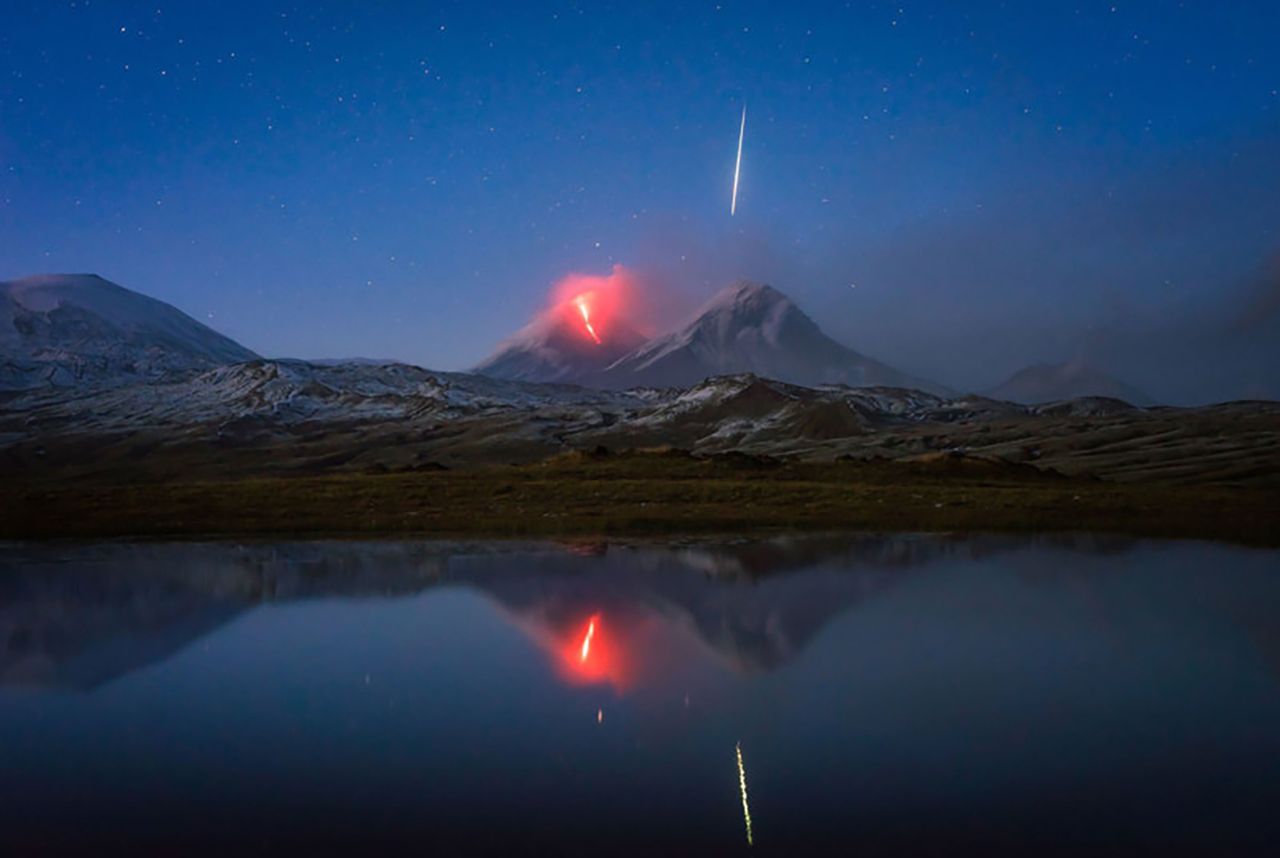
[(955, 192)]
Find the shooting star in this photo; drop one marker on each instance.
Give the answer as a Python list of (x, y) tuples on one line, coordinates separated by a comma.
[(742, 786), (737, 167)]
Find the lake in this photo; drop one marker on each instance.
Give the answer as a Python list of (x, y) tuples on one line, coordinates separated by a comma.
[(857, 695)]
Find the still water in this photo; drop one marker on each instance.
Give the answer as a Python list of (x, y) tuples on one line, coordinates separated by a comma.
[(845, 695)]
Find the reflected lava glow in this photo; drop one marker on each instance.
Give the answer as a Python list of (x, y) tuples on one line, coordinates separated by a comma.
[(586, 640), (591, 656), (615, 645)]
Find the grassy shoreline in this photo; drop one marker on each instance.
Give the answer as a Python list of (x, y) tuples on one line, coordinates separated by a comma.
[(636, 496)]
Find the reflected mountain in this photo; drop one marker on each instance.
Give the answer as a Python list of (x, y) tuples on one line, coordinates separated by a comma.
[(80, 617)]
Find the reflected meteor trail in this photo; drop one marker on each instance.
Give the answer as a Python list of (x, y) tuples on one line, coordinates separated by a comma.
[(742, 787), (737, 167)]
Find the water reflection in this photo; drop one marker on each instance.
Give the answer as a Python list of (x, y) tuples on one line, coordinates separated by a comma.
[(80, 617), (891, 694)]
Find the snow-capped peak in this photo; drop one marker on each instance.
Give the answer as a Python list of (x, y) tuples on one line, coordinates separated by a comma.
[(746, 295), (751, 328)]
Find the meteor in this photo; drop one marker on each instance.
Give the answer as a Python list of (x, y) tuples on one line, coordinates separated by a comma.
[(737, 167), (742, 786)]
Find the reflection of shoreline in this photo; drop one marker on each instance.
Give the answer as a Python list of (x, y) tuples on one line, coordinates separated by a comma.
[(79, 617)]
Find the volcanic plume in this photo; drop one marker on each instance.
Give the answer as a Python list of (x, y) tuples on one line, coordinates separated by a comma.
[(592, 321)]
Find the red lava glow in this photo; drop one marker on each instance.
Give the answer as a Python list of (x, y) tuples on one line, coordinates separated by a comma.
[(584, 307), (601, 306)]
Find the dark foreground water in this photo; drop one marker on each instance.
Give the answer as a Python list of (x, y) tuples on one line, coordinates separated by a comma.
[(860, 696)]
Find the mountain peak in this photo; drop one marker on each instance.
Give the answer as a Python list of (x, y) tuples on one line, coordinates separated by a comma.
[(64, 329), (42, 292), (57, 279), (748, 303), (747, 293)]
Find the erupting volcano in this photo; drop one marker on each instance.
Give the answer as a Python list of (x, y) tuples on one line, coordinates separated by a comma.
[(585, 329), (747, 327)]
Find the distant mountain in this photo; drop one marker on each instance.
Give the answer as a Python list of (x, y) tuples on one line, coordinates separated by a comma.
[(558, 347), (353, 361), (1046, 382), (64, 329), (751, 328)]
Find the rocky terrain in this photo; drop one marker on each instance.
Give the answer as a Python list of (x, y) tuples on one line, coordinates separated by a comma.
[(294, 417)]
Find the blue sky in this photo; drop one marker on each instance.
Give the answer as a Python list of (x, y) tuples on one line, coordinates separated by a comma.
[(958, 191)]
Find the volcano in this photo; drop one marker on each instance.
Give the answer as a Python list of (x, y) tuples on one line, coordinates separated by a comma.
[(752, 328), (66, 329), (564, 344)]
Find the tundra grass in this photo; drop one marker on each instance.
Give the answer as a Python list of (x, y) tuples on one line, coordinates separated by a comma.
[(581, 495)]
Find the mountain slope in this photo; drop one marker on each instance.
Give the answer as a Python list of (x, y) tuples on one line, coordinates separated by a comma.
[(65, 329), (1053, 382), (750, 328)]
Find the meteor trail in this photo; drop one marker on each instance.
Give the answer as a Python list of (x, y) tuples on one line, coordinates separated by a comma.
[(737, 167), (742, 786)]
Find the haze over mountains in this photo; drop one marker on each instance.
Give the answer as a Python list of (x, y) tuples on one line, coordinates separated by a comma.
[(1051, 382)]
